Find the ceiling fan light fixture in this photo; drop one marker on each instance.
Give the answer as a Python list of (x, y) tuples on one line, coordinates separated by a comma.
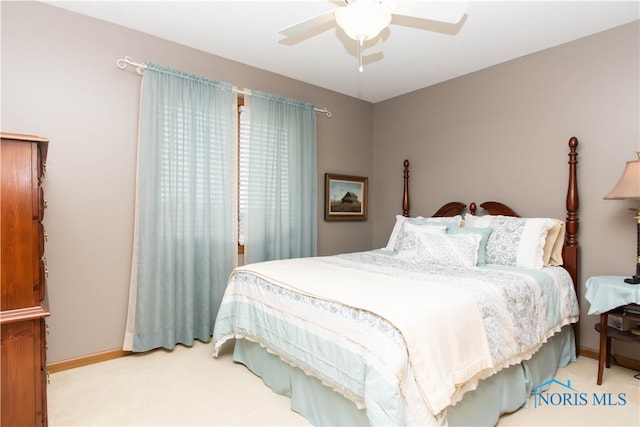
[(363, 20)]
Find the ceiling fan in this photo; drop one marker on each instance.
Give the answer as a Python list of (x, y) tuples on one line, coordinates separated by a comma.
[(363, 20)]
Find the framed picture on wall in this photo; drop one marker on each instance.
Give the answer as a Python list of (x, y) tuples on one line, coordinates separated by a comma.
[(345, 197)]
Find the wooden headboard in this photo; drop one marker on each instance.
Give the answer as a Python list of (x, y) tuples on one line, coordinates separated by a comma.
[(571, 249)]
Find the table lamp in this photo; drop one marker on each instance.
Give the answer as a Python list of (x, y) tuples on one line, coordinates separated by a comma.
[(629, 188)]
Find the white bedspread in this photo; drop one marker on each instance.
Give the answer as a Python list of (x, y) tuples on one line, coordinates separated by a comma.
[(441, 357), (455, 326)]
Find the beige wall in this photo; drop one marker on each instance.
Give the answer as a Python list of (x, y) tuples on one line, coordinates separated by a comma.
[(60, 81), (502, 133)]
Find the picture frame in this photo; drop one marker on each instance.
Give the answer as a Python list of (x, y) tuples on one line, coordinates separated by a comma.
[(346, 197)]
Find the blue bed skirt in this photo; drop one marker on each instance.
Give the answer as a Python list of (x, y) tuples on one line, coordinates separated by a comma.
[(502, 393)]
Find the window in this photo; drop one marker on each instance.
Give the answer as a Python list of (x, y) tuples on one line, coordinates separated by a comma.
[(188, 155), (277, 178)]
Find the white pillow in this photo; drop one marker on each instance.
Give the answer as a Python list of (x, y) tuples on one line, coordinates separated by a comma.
[(391, 244), (459, 250), (455, 220), (514, 241), (400, 220)]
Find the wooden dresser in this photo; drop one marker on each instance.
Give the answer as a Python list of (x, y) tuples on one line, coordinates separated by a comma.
[(23, 271)]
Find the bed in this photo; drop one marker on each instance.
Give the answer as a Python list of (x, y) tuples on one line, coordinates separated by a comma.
[(455, 321)]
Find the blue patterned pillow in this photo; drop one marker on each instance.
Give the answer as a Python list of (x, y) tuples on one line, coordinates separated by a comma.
[(484, 238), (407, 239), (460, 250), (514, 241)]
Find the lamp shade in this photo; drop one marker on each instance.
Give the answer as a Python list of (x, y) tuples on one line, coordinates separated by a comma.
[(363, 20), (629, 185)]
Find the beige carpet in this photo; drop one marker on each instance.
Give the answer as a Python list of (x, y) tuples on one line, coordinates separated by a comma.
[(188, 387)]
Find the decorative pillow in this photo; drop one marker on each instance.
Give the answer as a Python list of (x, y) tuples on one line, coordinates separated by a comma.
[(409, 233), (400, 220), (459, 250), (484, 234), (514, 241)]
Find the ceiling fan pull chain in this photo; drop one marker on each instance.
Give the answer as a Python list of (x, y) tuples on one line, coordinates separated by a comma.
[(360, 43)]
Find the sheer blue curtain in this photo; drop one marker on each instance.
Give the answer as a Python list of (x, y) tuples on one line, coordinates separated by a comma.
[(184, 241), (281, 218)]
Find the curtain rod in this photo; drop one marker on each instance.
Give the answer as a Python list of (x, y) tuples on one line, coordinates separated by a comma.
[(123, 62)]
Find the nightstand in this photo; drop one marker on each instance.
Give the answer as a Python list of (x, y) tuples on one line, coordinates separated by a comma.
[(609, 295)]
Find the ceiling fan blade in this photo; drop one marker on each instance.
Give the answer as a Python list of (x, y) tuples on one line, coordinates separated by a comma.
[(307, 25), (443, 11)]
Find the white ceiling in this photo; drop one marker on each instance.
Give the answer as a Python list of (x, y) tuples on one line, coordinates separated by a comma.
[(415, 55)]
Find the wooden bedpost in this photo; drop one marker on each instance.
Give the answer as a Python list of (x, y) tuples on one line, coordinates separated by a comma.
[(571, 246), (571, 250), (405, 193)]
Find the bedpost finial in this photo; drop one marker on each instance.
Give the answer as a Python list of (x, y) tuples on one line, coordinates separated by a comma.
[(472, 208), (405, 192)]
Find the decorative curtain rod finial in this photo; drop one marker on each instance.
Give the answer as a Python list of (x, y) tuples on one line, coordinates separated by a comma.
[(327, 112), (122, 64)]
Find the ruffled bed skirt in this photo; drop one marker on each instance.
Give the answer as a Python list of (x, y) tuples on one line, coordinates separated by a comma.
[(502, 393)]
